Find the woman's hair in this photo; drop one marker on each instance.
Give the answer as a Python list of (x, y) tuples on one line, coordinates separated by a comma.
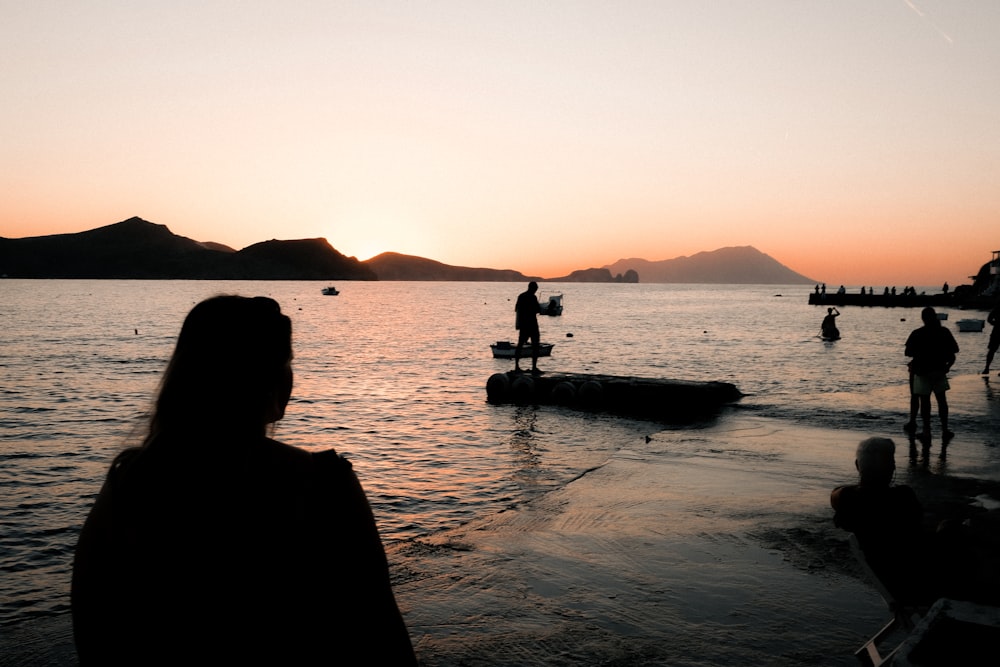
[(228, 370)]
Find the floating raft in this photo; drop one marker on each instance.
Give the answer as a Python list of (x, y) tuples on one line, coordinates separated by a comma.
[(669, 400)]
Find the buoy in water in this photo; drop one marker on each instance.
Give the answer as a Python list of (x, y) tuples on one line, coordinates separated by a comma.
[(522, 389), (497, 388), (590, 394), (564, 393)]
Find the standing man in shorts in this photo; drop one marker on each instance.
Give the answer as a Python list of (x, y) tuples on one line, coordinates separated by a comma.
[(991, 347), (933, 349), (526, 323)]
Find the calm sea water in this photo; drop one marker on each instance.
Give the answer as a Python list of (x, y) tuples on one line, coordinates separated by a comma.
[(393, 376)]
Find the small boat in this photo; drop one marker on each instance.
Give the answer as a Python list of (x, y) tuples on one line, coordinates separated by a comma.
[(330, 291), (971, 325), (551, 306), (503, 349)]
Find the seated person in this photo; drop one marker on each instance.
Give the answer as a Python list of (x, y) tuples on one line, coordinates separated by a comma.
[(887, 521)]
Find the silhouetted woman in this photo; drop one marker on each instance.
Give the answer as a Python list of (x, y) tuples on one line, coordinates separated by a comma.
[(211, 543)]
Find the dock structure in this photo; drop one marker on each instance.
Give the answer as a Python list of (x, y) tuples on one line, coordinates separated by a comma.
[(961, 299), (939, 300), (660, 399)]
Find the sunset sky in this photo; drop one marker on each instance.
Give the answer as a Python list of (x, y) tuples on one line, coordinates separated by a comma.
[(855, 141)]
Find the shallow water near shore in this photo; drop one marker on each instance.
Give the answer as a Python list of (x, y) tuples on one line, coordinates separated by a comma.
[(393, 375)]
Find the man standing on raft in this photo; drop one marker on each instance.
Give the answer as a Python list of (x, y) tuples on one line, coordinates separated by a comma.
[(526, 323)]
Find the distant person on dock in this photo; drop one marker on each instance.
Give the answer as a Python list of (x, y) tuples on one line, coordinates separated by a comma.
[(829, 327), (991, 347), (933, 350), (212, 542), (526, 312)]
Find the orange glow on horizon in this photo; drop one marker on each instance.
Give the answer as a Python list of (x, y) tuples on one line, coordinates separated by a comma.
[(510, 136), (909, 262)]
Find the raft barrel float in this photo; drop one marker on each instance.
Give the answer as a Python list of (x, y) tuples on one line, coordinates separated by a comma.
[(632, 396)]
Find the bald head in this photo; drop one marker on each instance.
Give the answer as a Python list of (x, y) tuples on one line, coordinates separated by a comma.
[(876, 461)]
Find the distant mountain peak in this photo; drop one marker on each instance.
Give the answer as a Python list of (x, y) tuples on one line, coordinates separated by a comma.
[(135, 222), (734, 265), (139, 249), (397, 266)]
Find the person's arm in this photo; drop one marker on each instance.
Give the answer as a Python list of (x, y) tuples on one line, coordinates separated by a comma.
[(835, 497), (841, 502), (374, 616), (952, 349), (93, 626), (910, 350)]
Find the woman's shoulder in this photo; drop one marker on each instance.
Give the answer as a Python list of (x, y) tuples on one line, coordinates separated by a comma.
[(277, 450), (280, 450), (125, 458), (326, 461)]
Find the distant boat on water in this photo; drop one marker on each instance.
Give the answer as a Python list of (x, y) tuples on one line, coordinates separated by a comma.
[(504, 349), (971, 325), (551, 306)]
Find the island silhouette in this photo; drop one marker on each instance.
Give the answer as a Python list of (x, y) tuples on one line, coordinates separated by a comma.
[(139, 249)]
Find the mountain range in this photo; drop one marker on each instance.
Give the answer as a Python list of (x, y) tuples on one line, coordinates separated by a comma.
[(138, 249)]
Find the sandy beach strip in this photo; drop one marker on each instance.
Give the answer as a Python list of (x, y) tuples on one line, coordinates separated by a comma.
[(690, 559), (704, 546), (709, 546)]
